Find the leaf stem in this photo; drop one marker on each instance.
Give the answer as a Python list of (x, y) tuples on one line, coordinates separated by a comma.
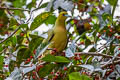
[(3, 8), (10, 35)]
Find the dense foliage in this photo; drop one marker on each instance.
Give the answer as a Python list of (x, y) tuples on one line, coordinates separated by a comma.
[(93, 50)]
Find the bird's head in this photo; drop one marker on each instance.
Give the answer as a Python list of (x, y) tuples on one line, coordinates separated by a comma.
[(63, 15)]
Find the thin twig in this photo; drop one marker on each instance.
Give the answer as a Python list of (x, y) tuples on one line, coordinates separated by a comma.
[(29, 17), (110, 63), (10, 35), (3, 8), (38, 6), (94, 54), (115, 68), (116, 44), (3, 51), (31, 12), (40, 3)]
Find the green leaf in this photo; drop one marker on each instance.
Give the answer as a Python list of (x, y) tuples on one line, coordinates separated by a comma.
[(19, 39), (34, 36), (107, 16), (1, 48), (19, 13), (87, 42), (22, 55), (32, 4), (43, 5), (51, 20), (13, 22), (111, 2), (40, 19), (75, 0), (51, 58), (118, 78), (77, 76), (61, 59), (92, 49), (19, 3), (11, 66), (47, 69), (14, 40), (35, 42), (24, 26), (1, 62), (102, 1), (114, 7)]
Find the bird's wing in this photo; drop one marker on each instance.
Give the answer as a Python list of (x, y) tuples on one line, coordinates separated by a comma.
[(50, 36), (46, 41)]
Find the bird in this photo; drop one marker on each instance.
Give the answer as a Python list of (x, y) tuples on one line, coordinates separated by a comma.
[(57, 36)]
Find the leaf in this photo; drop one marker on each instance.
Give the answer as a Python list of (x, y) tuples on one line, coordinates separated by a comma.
[(51, 58), (111, 2), (61, 59), (47, 69), (29, 69), (71, 50), (13, 22), (16, 74), (41, 49), (106, 16), (23, 54), (19, 13), (66, 5), (14, 40), (118, 78), (32, 4), (1, 48), (20, 55), (24, 26), (90, 67), (1, 62), (19, 3), (87, 42), (35, 42), (92, 49), (77, 76), (40, 19), (19, 39), (112, 48), (43, 5), (51, 20), (33, 36), (118, 67), (11, 66)]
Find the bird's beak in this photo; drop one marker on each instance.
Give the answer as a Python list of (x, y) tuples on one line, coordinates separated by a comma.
[(67, 15)]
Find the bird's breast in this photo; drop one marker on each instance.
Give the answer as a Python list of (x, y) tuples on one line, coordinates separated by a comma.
[(60, 39)]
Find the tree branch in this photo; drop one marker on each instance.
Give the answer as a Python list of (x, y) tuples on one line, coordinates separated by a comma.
[(10, 35), (94, 54), (40, 3), (38, 6), (116, 44), (115, 62), (3, 8)]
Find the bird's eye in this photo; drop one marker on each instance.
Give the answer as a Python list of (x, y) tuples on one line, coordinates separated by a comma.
[(63, 14)]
